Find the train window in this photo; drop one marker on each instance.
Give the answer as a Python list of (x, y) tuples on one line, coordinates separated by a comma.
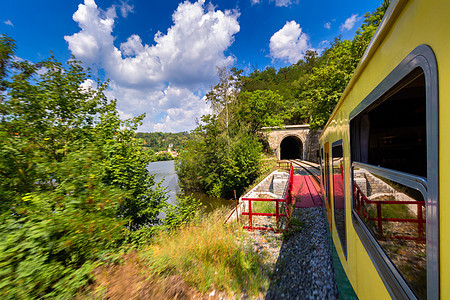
[(339, 193), (394, 155), (392, 132), (395, 214), (321, 165), (327, 176)]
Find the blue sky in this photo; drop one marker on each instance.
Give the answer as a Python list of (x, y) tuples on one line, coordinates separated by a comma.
[(161, 56)]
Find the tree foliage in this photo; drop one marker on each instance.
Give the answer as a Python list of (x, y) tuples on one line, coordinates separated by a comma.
[(73, 180), (216, 163), (160, 141), (312, 87), (225, 152), (260, 108)]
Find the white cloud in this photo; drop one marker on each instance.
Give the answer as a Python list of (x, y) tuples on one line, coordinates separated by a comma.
[(125, 8), (283, 3), (289, 43), (88, 84), (183, 119), (133, 46), (172, 109), (350, 22), (9, 23), (324, 43), (279, 3), (327, 25), (162, 76)]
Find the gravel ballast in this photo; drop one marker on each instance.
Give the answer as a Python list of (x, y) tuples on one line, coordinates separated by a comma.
[(301, 261)]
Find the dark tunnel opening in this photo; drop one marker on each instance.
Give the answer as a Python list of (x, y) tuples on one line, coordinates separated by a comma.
[(291, 148)]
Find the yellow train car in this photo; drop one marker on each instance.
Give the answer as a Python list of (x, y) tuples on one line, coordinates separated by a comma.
[(385, 160)]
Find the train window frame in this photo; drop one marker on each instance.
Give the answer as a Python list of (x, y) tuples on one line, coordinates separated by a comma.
[(342, 239), (326, 184), (421, 57)]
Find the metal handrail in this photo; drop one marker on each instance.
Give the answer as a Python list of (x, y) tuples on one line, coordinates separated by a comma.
[(287, 199), (361, 200)]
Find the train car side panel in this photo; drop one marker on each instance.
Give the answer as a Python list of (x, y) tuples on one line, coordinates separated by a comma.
[(413, 23)]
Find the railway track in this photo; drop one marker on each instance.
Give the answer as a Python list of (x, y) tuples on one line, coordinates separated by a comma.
[(310, 168)]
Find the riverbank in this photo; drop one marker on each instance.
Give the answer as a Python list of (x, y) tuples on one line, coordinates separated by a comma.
[(164, 172)]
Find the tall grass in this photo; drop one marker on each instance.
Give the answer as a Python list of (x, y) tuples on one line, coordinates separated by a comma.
[(208, 256), (264, 207)]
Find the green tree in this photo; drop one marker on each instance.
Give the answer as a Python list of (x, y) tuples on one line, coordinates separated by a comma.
[(223, 96), (260, 108), (217, 164), (324, 87), (73, 179)]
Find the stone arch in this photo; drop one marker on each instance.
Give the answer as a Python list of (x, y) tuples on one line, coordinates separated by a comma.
[(291, 147)]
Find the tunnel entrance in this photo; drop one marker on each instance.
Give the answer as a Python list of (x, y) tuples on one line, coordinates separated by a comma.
[(291, 148)]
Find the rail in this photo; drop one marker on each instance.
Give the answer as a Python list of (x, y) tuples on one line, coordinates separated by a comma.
[(288, 199), (314, 176), (361, 200), (308, 164)]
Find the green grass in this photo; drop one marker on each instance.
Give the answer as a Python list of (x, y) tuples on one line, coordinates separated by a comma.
[(400, 211), (264, 207), (208, 256), (295, 225)]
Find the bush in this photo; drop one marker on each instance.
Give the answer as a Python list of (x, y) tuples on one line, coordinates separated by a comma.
[(217, 164), (73, 180), (182, 213)]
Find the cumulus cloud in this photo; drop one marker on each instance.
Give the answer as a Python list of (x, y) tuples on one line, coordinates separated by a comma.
[(9, 23), (289, 43), (350, 22), (175, 119), (327, 25), (163, 75), (172, 109)]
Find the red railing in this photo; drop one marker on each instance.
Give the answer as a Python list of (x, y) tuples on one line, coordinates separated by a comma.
[(361, 200), (288, 209)]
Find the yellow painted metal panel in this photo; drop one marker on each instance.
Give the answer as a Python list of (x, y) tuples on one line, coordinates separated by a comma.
[(418, 22)]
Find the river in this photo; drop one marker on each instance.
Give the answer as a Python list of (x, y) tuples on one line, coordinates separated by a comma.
[(165, 170)]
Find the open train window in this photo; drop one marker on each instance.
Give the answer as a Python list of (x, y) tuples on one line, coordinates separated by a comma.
[(339, 193), (394, 154)]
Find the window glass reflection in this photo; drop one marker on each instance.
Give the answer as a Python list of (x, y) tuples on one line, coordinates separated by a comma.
[(338, 194), (396, 217)]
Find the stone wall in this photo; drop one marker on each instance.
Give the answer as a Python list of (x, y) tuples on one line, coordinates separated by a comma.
[(309, 139), (373, 187), (313, 146)]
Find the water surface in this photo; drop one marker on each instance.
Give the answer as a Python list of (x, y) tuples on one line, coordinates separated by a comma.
[(165, 170)]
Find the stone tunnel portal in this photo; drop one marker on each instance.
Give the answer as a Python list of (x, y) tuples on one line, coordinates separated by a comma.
[(291, 147)]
